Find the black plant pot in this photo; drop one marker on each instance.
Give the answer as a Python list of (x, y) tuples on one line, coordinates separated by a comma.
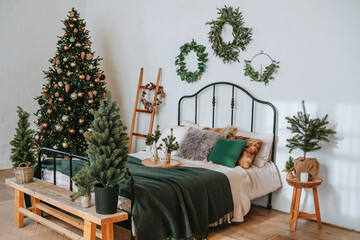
[(106, 199)]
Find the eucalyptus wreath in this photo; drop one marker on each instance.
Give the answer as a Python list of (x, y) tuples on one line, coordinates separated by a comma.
[(181, 70), (229, 52), (258, 77)]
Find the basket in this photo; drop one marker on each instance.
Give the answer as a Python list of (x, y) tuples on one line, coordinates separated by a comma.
[(24, 174)]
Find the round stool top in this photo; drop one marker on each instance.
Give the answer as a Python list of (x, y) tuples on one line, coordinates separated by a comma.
[(297, 183)]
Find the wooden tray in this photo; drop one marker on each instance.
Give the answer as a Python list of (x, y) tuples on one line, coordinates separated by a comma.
[(149, 163)]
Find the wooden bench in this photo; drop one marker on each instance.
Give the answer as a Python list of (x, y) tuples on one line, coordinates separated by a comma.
[(59, 197)]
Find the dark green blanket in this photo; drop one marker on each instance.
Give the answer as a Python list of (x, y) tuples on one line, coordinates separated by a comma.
[(170, 202), (177, 202)]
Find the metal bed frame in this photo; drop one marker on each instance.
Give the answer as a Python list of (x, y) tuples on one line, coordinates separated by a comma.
[(254, 101)]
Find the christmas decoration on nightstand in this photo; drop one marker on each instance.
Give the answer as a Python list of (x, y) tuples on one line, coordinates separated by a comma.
[(64, 105)]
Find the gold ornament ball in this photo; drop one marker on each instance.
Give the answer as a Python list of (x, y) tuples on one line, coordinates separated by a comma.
[(61, 99), (81, 121), (90, 101), (80, 94), (65, 145), (82, 77), (65, 59), (59, 128), (68, 73), (45, 125), (71, 25), (97, 80), (49, 111), (94, 92), (73, 96), (66, 48), (98, 74), (72, 64), (72, 131), (37, 137), (91, 85), (55, 147), (78, 45), (46, 90)]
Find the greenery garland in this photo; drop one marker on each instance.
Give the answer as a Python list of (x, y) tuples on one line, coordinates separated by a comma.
[(258, 77), (181, 70), (229, 52)]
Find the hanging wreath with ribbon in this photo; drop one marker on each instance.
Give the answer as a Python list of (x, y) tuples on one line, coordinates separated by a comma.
[(182, 71), (160, 95), (261, 76), (229, 52)]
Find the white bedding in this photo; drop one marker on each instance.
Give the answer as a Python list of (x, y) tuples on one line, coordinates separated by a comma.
[(245, 185)]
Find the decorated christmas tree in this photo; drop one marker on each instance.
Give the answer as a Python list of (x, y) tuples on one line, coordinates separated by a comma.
[(23, 142), (74, 86), (108, 146)]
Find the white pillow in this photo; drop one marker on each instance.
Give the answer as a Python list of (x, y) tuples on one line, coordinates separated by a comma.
[(190, 124), (264, 154), (178, 131)]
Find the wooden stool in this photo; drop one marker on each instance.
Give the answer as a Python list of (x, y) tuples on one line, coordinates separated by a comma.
[(295, 202)]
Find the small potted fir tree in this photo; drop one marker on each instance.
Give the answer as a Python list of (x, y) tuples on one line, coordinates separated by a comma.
[(306, 135), (107, 150), (169, 145), (150, 142), (22, 151), (85, 186)]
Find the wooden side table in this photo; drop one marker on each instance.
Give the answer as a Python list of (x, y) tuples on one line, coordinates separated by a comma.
[(295, 202)]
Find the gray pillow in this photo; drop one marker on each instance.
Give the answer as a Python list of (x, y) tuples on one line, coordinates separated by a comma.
[(198, 144)]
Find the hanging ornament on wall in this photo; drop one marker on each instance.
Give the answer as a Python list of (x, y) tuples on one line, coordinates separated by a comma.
[(261, 76), (229, 52)]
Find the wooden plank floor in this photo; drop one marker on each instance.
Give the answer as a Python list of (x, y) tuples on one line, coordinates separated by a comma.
[(260, 223)]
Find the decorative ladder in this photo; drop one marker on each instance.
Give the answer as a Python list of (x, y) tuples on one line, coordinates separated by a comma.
[(136, 109)]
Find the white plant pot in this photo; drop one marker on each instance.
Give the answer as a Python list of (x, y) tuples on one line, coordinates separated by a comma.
[(154, 153), (166, 158), (85, 201)]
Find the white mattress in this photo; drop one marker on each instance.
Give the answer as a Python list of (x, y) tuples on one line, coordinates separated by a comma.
[(245, 185)]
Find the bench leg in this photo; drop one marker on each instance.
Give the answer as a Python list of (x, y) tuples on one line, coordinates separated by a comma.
[(292, 204), (107, 231), (296, 210), (19, 203), (89, 230), (317, 208), (34, 201)]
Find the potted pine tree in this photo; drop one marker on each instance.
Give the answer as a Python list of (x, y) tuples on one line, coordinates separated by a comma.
[(22, 151), (107, 150), (307, 134), (85, 186), (169, 145)]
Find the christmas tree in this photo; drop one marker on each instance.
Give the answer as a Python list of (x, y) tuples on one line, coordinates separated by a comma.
[(108, 146), (74, 86), (23, 142), (307, 132)]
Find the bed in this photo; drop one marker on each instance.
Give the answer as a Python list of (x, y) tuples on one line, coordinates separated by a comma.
[(244, 185)]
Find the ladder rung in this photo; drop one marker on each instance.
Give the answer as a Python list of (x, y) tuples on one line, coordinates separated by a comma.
[(141, 86), (143, 110), (139, 135)]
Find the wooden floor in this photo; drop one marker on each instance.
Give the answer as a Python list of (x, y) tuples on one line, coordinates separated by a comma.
[(260, 223)]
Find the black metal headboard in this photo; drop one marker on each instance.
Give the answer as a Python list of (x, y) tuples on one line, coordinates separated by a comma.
[(254, 101)]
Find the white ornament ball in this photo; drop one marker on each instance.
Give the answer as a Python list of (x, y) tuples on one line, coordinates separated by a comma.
[(65, 145), (59, 127), (59, 71), (73, 96), (65, 59), (65, 118), (72, 39), (55, 147)]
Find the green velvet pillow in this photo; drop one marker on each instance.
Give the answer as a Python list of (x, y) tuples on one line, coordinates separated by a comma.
[(227, 152)]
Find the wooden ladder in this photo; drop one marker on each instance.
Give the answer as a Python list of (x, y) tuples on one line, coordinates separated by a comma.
[(136, 109)]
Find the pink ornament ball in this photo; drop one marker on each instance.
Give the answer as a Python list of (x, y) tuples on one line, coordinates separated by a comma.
[(57, 94), (89, 56), (57, 62), (76, 30), (88, 77)]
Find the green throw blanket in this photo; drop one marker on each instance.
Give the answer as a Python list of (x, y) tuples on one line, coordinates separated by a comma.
[(177, 202), (170, 202)]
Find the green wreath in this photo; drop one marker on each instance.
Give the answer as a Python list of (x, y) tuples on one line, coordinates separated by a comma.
[(258, 77), (181, 70), (242, 36)]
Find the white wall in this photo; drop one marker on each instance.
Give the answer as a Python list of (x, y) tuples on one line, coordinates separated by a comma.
[(317, 43)]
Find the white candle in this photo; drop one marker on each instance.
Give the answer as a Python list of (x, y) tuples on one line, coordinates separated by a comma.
[(304, 177)]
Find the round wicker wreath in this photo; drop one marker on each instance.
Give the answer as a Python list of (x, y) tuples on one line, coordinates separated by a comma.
[(149, 105), (261, 77), (181, 70), (229, 52)]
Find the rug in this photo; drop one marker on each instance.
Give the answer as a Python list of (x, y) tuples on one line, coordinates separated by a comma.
[(35, 231), (280, 237)]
